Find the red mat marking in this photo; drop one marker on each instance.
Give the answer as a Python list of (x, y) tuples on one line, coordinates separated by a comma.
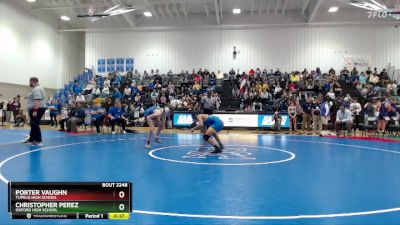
[(367, 139)]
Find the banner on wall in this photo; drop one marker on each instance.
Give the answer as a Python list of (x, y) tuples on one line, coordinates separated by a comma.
[(129, 64), (235, 120), (110, 65), (101, 65), (357, 61), (120, 64)]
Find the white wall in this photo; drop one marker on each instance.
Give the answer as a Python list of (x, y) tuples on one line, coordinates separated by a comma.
[(287, 47), (31, 47)]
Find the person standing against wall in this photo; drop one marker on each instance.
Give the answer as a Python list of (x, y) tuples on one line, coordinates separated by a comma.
[(307, 117), (15, 106), (36, 102), (207, 104)]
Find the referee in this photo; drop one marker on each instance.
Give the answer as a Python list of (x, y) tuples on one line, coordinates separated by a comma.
[(36, 107)]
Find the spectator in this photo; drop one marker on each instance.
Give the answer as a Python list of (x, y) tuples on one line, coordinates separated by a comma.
[(77, 88), (307, 111), (257, 102), (127, 92), (20, 119), (89, 88), (108, 104), (292, 111), (294, 78), (105, 91), (332, 72), (163, 100), (76, 116), (97, 113), (355, 109), (115, 115), (362, 79), (2, 113), (252, 72), (216, 100), (96, 91), (107, 82), (80, 98), (220, 75), (16, 106), (154, 95), (171, 87), (343, 118), (232, 73), (277, 122), (278, 72), (175, 102), (383, 78), (374, 79), (117, 94), (53, 113), (384, 108), (391, 88), (316, 116), (325, 114), (9, 111)]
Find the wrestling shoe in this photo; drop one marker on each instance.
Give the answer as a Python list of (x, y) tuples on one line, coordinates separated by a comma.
[(217, 150)]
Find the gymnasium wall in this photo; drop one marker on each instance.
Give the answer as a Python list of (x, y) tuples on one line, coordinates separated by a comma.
[(286, 47), (32, 47)]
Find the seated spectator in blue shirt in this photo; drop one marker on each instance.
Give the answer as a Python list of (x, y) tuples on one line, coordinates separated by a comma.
[(52, 106), (117, 81), (77, 88), (98, 114), (151, 86), (134, 89), (117, 94), (213, 79), (327, 87), (116, 115)]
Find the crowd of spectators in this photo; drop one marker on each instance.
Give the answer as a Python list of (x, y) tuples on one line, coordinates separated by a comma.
[(310, 98), (12, 113), (315, 99)]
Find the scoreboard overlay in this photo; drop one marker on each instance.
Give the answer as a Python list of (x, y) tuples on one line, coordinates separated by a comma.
[(70, 200)]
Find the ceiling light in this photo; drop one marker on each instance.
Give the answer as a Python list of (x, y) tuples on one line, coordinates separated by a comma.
[(31, 1), (111, 9), (236, 11), (333, 9), (65, 18), (147, 14), (120, 11), (372, 5)]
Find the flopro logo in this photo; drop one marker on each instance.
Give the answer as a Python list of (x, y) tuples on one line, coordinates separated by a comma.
[(183, 119), (373, 15), (268, 121)]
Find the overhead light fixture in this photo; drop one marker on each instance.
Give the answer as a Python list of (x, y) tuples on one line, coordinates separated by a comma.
[(147, 14), (111, 9), (333, 9), (65, 18), (372, 5), (120, 11), (31, 1), (236, 11)]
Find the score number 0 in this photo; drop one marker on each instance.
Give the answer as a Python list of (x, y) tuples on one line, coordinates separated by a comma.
[(121, 194)]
